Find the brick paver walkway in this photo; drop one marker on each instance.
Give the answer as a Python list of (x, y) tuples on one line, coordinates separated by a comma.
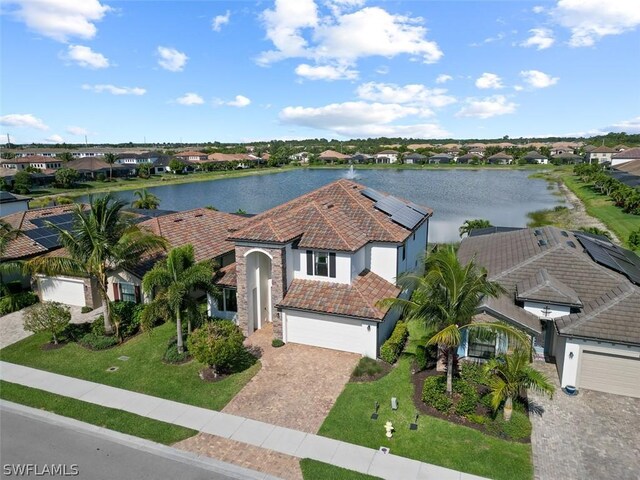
[(297, 385), (591, 436), (247, 456)]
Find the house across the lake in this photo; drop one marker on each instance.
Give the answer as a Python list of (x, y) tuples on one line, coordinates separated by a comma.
[(576, 294)]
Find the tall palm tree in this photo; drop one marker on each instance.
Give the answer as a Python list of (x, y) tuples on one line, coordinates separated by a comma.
[(145, 200), (101, 239), (445, 298), (110, 158), (509, 376), (171, 283), (469, 225)]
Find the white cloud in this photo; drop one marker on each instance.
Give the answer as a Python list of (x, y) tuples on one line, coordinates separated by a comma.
[(112, 89), (631, 126), (240, 101), (172, 59), (190, 99), (297, 30), (540, 37), (54, 139), (77, 130), (518, 88), (488, 40), (487, 107), (538, 9), (412, 94), (443, 78), (220, 20), (22, 120), (489, 80), (61, 19), (590, 20), (326, 72), (361, 119), (85, 57), (382, 70), (538, 79)]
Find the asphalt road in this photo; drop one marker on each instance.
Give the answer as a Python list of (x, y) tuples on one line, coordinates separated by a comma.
[(25, 440)]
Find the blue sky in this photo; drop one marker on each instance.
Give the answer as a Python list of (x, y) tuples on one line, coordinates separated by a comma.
[(168, 71)]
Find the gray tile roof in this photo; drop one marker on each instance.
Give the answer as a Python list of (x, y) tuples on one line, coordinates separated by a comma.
[(550, 265)]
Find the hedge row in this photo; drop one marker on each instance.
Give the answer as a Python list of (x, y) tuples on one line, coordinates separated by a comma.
[(391, 349)]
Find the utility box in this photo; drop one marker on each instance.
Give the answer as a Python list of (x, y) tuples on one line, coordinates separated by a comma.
[(394, 403)]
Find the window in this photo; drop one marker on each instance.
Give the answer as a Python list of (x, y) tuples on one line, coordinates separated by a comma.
[(482, 346), (128, 292), (230, 302), (321, 264)]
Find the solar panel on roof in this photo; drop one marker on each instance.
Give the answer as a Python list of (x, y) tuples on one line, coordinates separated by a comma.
[(611, 256), (407, 215), (418, 208), (372, 194)]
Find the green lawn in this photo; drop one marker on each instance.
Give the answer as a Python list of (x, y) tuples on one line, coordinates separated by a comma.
[(110, 418), (144, 372), (601, 207), (314, 470), (436, 441)]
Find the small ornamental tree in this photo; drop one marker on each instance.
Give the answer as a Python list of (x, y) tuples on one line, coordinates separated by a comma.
[(634, 239), (66, 177), (217, 344), (50, 317), (468, 225)]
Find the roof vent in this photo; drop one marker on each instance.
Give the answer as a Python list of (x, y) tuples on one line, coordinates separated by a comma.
[(564, 234), (542, 243), (571, 244), (537, 232), (330, 205), (198, 215), (178, 220)]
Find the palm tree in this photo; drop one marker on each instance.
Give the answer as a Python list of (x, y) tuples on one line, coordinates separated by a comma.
[(469, 225), (171, 283), (510, 375), (102, 239), (445, 298), (110, 158), (145, 200)]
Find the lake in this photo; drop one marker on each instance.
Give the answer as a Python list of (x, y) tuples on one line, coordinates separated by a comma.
[(502, 196)]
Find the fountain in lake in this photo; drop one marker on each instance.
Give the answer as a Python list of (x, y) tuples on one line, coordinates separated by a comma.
[(351, 174)]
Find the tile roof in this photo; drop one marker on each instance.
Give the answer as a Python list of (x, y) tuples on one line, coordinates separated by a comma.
[(333, 154), (631, 154), (534, 154), (91, 164), (602, 149), (501, 155), (334, 217), (356, 300), (563, 270), (504, 308), (226, 276), (631, 167)]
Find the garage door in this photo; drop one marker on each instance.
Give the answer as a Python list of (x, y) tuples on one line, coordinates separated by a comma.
[(609, 373), (64, 290), (325, 331)]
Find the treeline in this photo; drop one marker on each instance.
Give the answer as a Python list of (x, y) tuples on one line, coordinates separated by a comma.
[(623, 196)]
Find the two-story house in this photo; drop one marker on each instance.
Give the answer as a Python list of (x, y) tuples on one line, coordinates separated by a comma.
[(387, 156), (317, 266), (600, 155), (36, 161)]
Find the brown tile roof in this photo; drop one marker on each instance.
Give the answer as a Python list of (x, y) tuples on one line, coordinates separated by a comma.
[(562, 270), (501, 155), (31, 159), (332, 154), (542, 287), (226, 276), (602, 149), (22, 246), (632, 167), (631, 154), (503, 308), (356, 300), (334, 217), (207, 230), (91, 164)]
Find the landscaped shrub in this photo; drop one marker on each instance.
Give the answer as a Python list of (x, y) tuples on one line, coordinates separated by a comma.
[(473, 373), (518, 428), (73, 332), (171, 355), (391, 349), (86, 309), (16, 301), (218, 344), (98, 342), (479, 419), (277, 343), (127, 317), (425, 355), (367, 367), (466, 404), (51, 317), (97, 327), (434, 393)]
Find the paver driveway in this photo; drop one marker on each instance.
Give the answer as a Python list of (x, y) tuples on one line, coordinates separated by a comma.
[(297, 385), (591, 436)]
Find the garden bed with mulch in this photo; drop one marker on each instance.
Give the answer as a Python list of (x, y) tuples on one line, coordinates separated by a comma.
[(369, 370)]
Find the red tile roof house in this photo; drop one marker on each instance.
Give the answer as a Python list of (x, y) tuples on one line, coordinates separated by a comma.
[(315, 267), (576, 294)]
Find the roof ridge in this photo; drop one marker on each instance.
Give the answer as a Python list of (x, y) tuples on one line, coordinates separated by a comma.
[(526, 261), (627, 292), (331, 224), (358, 200)]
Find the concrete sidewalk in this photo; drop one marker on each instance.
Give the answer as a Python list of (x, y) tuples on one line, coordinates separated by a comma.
[(260, 434)]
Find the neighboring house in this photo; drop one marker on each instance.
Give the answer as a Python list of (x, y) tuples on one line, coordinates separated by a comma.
[(600, 155), (468, 157), (387, 156), (138, 158), (476, 150), (302, 157), (501, 158), (627, 173), (243, 160), (362, 158), (535, 157), (316, 267), (37, 161), (90, 167), (568, 158), (414, 158), (191, 156), (12, 203), (620, 148), (441, 158), (576, 294), (332, 156), (625, 156)]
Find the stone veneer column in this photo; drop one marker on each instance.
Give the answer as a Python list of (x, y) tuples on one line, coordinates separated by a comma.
[(278, 286)]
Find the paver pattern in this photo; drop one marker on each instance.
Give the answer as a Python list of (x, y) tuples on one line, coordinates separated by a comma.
[(297, 385), (593, 435), (247, 456), (12, 325)]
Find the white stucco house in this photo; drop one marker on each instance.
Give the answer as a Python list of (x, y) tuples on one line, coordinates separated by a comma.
[(387, 156), (576, 294)]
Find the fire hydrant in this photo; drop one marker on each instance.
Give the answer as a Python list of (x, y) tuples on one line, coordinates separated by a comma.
[(389, 428)]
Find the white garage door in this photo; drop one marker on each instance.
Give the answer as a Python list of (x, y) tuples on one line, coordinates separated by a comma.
[(328, 332), (609, 373), (64, 290)]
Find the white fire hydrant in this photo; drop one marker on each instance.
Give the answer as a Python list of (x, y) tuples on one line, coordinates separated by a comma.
[(389, 428)]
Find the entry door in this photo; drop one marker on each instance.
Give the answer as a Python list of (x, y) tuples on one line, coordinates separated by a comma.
[(548, 338)]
